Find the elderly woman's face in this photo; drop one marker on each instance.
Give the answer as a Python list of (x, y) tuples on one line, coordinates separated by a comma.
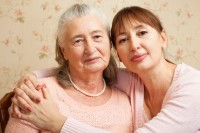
[(87, 45)]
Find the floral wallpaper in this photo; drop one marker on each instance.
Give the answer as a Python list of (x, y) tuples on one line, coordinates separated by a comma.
[(28, 31)]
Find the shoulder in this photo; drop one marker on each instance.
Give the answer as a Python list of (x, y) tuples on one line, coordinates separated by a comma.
[(187, 73), (186, 77), (50, 81), (120, 97), (118, 93), (185, 87), (52, 85)]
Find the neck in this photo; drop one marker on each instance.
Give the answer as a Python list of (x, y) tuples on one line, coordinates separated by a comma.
[(159, 77), (157, 82), (89, 80), (91, 87)]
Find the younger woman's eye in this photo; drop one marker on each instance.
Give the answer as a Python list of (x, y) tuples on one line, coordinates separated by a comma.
[(123, 40), (142, 33)]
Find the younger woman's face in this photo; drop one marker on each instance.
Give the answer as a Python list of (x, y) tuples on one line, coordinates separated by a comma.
[(139, 46)]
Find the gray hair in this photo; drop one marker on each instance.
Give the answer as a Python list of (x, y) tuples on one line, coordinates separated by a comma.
[(79, 10)]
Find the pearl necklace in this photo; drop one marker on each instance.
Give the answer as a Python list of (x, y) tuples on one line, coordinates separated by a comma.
[(86, 93)]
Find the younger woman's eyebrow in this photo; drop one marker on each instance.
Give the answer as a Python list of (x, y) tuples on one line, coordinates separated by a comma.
[(121, 33), (134, 28), (138, 26)]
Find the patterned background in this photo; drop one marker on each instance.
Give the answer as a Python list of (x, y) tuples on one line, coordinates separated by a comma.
[(28, 28)]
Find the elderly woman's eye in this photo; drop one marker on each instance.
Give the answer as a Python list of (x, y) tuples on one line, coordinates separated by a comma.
[(78, 42), (97, 38)]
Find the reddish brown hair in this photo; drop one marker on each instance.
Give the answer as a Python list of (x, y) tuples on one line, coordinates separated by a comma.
[(137, 14)]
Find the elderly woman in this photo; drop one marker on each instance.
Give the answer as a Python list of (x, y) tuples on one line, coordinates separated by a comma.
[(81, 89)]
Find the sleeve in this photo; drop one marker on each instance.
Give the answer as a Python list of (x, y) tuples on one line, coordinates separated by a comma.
[(73, 126), (180, 112), (48, 72), (15, 125), (124, 80)]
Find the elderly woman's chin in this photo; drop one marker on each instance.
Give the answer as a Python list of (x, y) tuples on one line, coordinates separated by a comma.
[(95, 67)]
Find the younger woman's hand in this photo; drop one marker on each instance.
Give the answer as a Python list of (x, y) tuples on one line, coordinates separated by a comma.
[(45, 115), (23, 99)]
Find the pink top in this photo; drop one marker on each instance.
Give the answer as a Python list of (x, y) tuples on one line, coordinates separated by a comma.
[(180, 111), (113, 116)]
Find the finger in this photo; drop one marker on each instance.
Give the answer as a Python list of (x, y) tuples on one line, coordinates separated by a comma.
[(25, 116), (11, 111), (29, 93), (45, 92), (16, 111), (22, 104), (22, 100), (30, 85), (25, 77), (34, 80)]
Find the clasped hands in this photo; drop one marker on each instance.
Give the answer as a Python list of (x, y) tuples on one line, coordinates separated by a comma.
[(32, 102)]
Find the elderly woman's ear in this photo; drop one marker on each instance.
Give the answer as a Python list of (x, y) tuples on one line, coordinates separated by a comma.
[(64, 53)]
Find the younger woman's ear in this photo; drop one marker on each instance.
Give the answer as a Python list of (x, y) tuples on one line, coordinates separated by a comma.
[(163, 39), (119, 58)]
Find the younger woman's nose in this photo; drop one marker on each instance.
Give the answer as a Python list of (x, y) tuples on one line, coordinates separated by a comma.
[(135, 44)]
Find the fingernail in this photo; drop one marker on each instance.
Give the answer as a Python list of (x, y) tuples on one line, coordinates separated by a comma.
[(38, 100), (29, 109), (16, 115), (25, 80), (38, 87)]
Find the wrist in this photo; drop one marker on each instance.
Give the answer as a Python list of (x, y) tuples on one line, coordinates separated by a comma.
[(58, 124)]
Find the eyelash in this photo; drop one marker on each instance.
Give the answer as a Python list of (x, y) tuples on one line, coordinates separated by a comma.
[(78, 41), (97, 38), (123, 40), (142, 33)]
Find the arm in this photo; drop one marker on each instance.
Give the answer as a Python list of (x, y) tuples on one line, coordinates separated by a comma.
[(46, 72), (124, 81)]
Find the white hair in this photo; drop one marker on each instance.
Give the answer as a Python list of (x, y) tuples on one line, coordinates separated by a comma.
[(79, 10)]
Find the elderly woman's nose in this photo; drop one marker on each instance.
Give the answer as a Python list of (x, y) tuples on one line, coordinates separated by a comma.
[(89, 46)]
